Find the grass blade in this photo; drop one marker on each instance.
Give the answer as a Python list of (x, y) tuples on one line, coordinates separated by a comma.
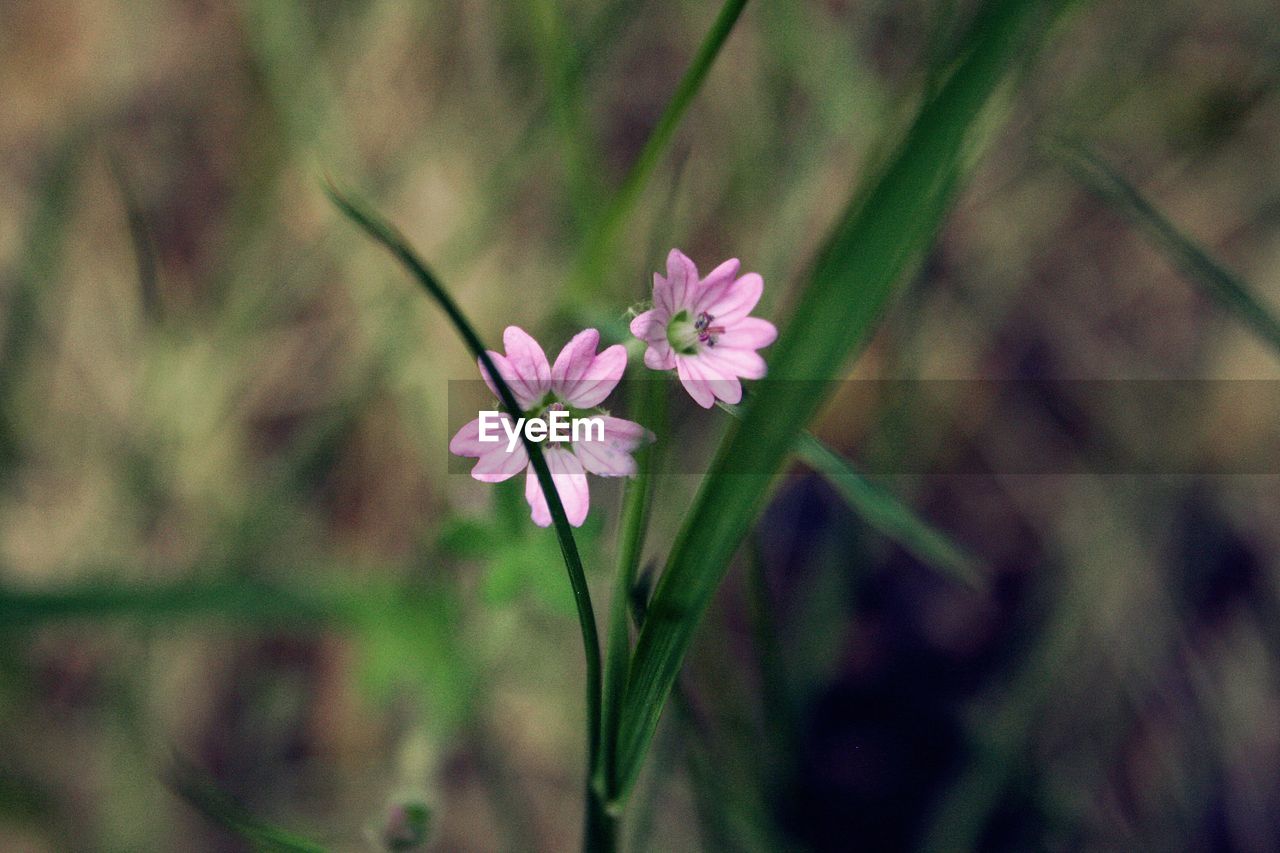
[(881, 235), (206, 798), (1220, 284), (650, 411), (235, 599), (881, 509), (394, 242), (601, 241)]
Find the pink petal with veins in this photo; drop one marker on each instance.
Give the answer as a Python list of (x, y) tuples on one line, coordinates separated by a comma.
[(748, 333), (612, 456), (582, 378), (571, 485), (730, 304)]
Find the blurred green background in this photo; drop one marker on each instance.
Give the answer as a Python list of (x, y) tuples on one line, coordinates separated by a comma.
[(240, 589)]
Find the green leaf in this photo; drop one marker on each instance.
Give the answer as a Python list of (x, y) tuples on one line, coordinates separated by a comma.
[(1218, 283), (883, 233)]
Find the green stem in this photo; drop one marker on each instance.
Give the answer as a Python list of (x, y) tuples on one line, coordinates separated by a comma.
[(651, 411), (385, 234)]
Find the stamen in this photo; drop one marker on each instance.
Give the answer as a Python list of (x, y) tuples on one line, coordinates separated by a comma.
[(707, 333)]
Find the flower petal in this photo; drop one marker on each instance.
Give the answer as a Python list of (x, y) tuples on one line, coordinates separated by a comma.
[(504, 370), (574, 359), (682, 279), (570, 482), (716, 280), (735, 362), (691, 379), (528, 364), (730, 303), (662, 295), (499, 464), (748, 333), (660, 356), (651, 325), (582, 378), (466, 441), (611, 457)]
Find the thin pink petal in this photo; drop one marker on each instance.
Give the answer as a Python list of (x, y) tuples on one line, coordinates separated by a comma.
[(660, 356), (498, 465), (735, 362), (574, 359), (466, 441), (598, 380), (662, 295), (612, 456), (730, 391), (716, 281), (682, 278), (571, 485), (713, 377), (504, 370), (651, 325), (730, 304), (528, 363), (691, 379), (748, 333)]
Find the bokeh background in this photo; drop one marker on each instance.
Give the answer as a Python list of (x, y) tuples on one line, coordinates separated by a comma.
[(239, 585)]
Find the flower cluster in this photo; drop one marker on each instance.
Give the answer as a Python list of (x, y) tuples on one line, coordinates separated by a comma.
[(699, 327)]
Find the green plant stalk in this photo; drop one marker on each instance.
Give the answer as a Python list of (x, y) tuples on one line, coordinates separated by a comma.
[(871, 248), (394, 242), (602, 239), (651, 412), (1220, 284)]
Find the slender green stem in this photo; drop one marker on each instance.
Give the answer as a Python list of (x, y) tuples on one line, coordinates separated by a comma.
[(385, 234), (602, 239), (650, 410)]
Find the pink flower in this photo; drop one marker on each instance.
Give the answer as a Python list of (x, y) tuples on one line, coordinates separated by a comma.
[(700, 327), (577, 383)]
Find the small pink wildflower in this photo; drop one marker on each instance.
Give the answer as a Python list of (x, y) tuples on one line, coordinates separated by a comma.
[(700, 327), (579, 381)]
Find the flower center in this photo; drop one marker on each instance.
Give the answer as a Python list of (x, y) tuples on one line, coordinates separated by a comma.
[(684, 334)]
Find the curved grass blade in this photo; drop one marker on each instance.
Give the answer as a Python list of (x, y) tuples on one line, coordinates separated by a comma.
[(206, 798), (881, 509), (869, 251), (394, 242), (650, 410), (602, 239), (1219, 284), (236, 599)]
